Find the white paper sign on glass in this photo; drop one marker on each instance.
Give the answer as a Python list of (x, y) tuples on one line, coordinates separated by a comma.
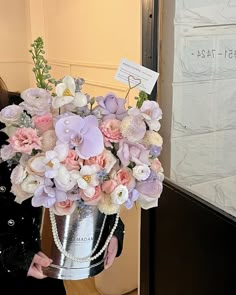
[(136, 76)]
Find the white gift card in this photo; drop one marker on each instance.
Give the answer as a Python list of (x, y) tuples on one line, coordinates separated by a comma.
[(136, 76)]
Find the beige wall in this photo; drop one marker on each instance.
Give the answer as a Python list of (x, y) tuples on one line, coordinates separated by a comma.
[(88, 39), (13, 46)]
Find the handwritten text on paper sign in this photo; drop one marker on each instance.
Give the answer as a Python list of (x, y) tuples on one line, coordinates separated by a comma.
[(136, 76)]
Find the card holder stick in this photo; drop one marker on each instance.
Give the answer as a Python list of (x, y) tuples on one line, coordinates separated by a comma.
[(133, 82)]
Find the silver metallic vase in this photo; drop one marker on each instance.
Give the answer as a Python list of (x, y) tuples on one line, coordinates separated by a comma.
[(78, 233)]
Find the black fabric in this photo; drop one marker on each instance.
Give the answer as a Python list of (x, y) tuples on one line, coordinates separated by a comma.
[(31, 286)]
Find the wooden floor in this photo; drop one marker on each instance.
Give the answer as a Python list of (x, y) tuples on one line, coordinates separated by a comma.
[(85, 287)]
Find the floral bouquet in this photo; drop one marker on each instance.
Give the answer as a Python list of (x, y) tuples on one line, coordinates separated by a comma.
[(68, 148)]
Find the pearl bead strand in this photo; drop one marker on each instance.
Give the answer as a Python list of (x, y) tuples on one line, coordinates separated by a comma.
[(89, 257)]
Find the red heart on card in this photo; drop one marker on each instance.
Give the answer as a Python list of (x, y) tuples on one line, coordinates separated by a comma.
[(133, 82)]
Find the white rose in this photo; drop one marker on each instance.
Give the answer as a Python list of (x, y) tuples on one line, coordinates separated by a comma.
[(64, 180), (120, 194), (110, 160), (18, 174), (11, 114), (30, 183), (19, 193), (141, 172), (7, 152), (80, 100)]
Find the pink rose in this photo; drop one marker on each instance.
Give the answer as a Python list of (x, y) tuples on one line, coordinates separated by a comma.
[(43, 123), (111, 130), (125, 177), (64, 208), (156, 165), (100, 160), (72, 161), (108, 186), (25, 140), (105, 160), (94, 199)]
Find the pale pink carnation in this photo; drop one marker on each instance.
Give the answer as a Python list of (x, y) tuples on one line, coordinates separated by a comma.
[(43, 123), (111, 130), (25, 140)]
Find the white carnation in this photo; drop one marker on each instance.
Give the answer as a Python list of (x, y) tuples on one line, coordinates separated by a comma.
[(141, 172)]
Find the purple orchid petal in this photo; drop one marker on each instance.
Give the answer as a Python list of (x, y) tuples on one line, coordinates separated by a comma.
[(61, 196), (87, 148)]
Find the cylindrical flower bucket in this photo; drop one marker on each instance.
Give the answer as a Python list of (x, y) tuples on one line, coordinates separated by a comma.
[(80, 237)]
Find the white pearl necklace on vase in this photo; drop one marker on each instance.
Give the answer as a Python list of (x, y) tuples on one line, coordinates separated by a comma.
[(89, 257)]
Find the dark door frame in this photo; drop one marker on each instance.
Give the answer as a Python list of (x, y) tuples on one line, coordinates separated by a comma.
[(150, 20)]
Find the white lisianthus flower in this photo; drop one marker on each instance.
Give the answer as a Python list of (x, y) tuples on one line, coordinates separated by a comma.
[(31, 182), (63, 180), (18, 174), (11, 114), (141, 172), (35, 165), (120, 194), (7, 152)]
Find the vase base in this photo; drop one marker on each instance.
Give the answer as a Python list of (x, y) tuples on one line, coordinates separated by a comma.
[(66, 273)]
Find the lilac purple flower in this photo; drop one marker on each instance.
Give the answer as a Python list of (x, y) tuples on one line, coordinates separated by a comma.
[(154, 150), (134, 152), (133, 196), (46, 195), (111, 107)]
